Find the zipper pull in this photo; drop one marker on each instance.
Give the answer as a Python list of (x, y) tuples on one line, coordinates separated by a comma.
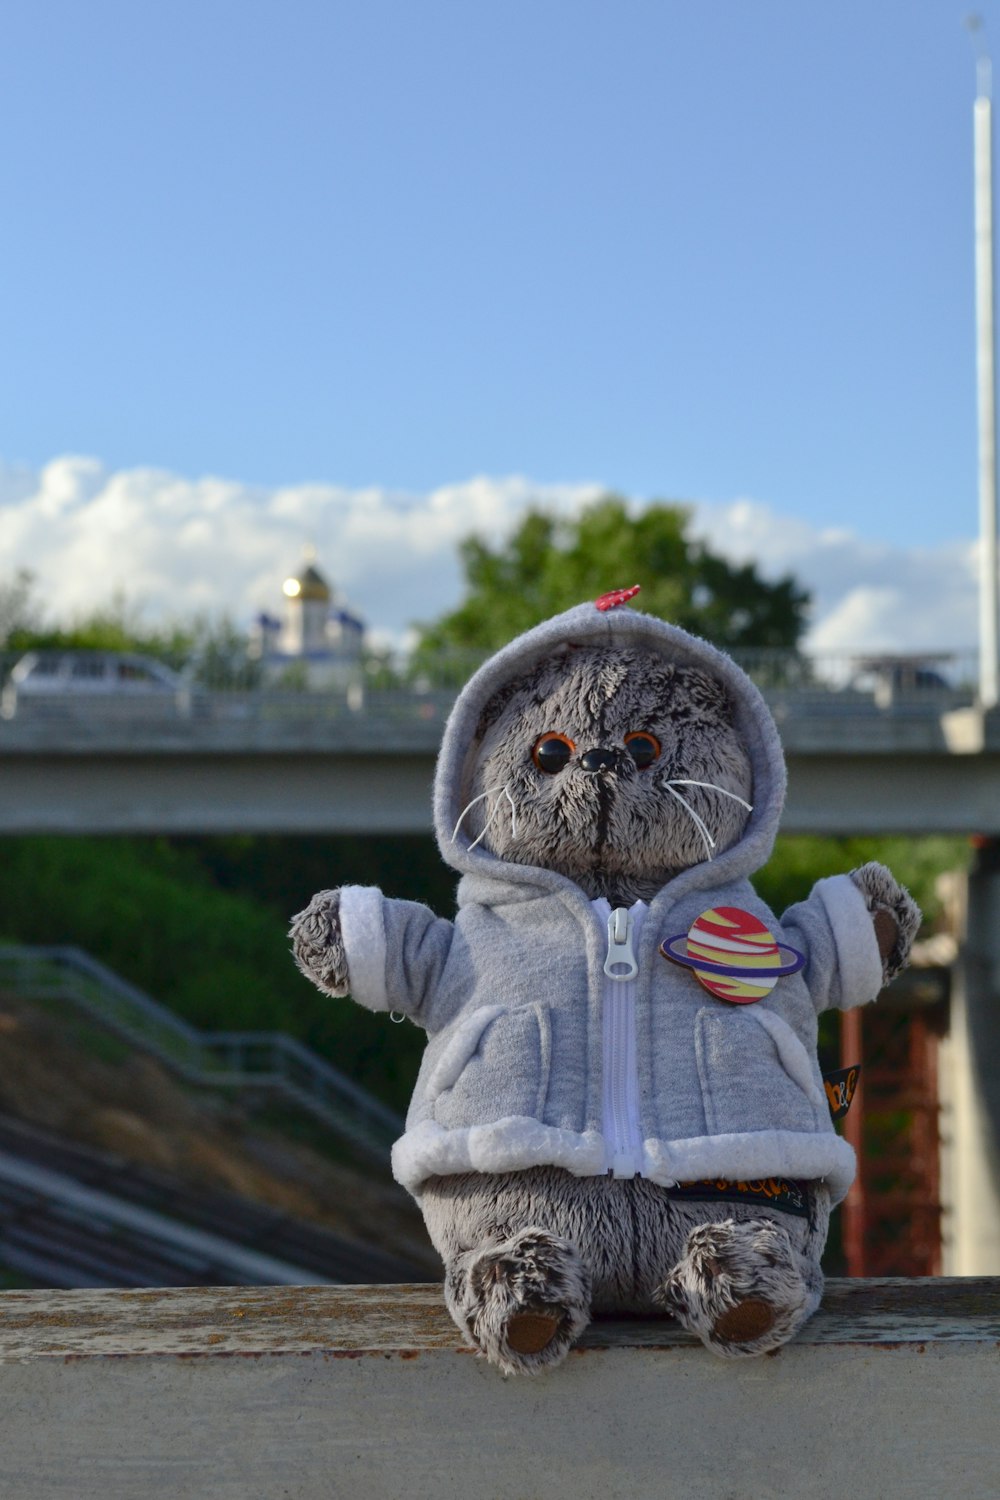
[(620, 956)]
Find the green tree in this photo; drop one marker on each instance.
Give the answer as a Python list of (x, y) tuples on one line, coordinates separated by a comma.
[(19, 611), (551, 563), (214, 648)]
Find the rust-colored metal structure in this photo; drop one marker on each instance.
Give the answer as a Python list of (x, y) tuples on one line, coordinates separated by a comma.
[(892, 1215)]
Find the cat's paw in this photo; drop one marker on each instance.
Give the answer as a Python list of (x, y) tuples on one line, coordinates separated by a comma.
[(318, 944), (895, 916)]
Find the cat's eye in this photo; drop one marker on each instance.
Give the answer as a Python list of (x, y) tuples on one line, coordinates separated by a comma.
[(551, 752), (644, 748)]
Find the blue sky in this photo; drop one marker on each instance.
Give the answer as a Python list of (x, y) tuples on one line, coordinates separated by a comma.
[(716, 253)]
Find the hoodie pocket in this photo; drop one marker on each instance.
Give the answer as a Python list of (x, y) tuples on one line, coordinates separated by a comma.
[(755, 1073), (496, 1065)]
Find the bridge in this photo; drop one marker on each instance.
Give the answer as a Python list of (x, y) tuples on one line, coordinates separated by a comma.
[(914, 762)]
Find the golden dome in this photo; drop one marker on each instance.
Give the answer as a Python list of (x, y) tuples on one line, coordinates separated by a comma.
[(308, 585)]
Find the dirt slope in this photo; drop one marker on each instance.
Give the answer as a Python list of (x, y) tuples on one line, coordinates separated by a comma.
[(68, 1076)]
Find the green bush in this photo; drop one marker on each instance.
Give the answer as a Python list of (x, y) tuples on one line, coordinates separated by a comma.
[(219, 958), (916, 863), (201, 924)]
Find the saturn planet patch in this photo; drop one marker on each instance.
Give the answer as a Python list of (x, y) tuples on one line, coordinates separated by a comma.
[(732, 954)]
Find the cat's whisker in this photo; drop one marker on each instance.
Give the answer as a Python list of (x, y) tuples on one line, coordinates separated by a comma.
[(513, 811), (699, 823), (469, 806), (504, 791), (710, 786), (493, 812)]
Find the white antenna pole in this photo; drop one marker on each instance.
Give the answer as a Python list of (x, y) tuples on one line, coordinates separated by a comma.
[(989, 618)]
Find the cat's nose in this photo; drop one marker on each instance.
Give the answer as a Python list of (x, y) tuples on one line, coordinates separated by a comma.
[(598, 760)]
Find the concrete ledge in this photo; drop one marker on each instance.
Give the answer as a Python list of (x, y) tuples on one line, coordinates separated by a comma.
[(366, 1393)]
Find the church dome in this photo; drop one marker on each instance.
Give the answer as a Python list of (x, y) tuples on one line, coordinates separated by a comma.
[(308, 585)]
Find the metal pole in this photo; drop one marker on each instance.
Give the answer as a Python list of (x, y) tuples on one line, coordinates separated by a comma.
[(989, 667)]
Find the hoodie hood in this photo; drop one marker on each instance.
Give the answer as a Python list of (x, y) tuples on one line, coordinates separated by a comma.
[(595, 624)]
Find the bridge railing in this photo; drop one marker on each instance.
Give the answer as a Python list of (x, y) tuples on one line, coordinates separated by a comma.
[(396, 691), (248, 1060)]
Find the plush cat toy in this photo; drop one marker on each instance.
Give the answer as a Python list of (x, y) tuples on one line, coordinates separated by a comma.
[(620, 1106)]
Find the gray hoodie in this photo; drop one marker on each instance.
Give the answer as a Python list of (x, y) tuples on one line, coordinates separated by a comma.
[(537, 1057)]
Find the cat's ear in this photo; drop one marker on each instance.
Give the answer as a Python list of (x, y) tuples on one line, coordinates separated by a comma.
[(705, 693), (493, 710), (535, 683)]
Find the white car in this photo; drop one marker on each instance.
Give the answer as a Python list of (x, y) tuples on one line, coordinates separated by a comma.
[(101, 683)]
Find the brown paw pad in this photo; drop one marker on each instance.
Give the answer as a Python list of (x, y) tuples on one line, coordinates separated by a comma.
[(531, 1332), (745, 1322), (886, 932)]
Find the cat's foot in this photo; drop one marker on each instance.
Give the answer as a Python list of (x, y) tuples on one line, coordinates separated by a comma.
[(523, 1303), (738, 1287)]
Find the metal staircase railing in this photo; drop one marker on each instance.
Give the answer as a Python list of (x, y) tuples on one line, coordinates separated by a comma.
[(251, 1060)]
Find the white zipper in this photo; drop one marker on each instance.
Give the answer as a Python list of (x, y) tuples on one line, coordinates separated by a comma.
[(622, 1135)]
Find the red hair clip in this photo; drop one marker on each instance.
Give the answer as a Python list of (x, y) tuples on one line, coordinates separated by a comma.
[(616, 597)]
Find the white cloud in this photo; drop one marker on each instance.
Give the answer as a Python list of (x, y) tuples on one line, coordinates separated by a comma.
[(174, 545), (867, 596)]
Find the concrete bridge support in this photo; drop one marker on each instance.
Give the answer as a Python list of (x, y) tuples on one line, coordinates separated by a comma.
[(971, 1080), (879, 774)]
